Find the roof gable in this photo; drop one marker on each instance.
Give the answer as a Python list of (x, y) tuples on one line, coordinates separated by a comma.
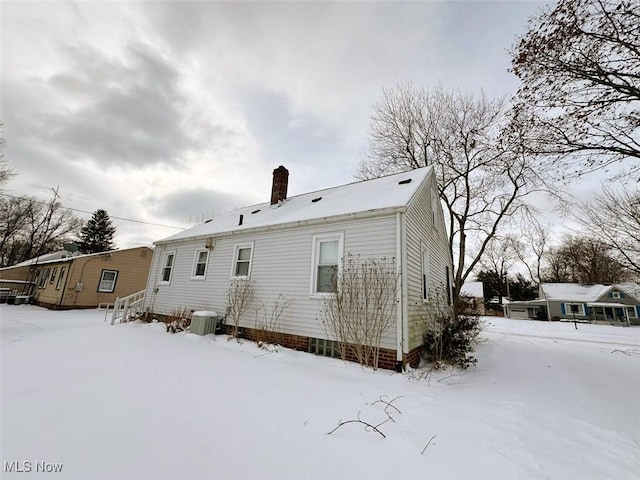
[(393, 191)]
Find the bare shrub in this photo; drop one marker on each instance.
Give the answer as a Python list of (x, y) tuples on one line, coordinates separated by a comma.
[(179, 319), (268, 328), (239, 298), (362, 309)]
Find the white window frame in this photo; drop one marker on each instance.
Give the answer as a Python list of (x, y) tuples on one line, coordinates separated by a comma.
[(110, 289), (44, 278), (234, 262), (163, 267), (60, 277), (315, 257), (616, 295), (196, 257), (569, 311), (425, 272), (632, 312)]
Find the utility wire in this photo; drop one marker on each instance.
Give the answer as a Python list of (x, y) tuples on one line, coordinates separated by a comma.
[(86, 211)]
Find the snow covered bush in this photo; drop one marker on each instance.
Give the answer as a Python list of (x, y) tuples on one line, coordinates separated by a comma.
[(449, 338), (362, 309)]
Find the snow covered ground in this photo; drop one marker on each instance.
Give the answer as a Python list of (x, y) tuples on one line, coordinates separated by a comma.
[(130, 401)]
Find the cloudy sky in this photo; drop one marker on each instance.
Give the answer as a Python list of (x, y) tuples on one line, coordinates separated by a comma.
[(171, 112)]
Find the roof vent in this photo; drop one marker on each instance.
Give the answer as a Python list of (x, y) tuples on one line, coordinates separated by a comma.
[(240, 220), (404, 182), (255, 211), (317, 199), (208, 220)]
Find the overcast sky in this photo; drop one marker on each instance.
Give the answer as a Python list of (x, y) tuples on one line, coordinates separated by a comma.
[(172, 112)]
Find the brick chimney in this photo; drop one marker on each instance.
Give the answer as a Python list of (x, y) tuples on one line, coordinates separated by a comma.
[(280, 182)]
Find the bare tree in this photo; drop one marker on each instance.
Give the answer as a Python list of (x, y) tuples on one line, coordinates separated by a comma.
[(239, 298), (534, 243), (5, 171), (30, 227), (614, 218), (268, 317), (484, 177), (362, 309), (579, 64), (583, 260)]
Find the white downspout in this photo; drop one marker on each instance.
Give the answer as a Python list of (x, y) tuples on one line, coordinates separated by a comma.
[(399, 290)]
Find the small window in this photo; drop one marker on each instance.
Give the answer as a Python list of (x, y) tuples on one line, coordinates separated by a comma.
[(242, 261), (108, 281), (167, 267), (326, 263), (631, 312), (615, 294), (60, 278), (425, 272), (200, 264), (53, 275), (574, 308)]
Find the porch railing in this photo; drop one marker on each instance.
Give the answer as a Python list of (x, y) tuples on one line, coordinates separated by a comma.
[(126, 308)]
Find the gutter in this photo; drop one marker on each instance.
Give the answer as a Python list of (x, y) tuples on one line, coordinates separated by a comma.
[(289, 225), (399, 290)]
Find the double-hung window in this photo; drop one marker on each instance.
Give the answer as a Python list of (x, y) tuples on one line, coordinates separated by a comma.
[(327, 258), (242, 255), (200, 264), (108, 281), (44, 277), (167, 267)]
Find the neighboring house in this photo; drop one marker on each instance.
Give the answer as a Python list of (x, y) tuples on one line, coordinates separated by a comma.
[(287, 247), (593, 303), (472, 293), (63, 280)]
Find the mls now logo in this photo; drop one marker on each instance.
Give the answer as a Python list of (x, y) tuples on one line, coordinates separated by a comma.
[(26, 466)]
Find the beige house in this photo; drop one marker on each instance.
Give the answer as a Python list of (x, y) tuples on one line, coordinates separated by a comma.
[(69, 281)]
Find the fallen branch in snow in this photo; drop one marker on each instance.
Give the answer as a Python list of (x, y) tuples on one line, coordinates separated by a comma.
[(627, 352), (429, 442), (370, 427)]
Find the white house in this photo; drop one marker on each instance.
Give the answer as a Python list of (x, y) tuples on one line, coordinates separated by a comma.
[(286, 246)]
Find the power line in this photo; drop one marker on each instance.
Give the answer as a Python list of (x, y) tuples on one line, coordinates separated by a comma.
[(86, 211)]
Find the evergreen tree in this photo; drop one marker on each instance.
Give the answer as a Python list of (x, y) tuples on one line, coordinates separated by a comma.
[(97, 233)]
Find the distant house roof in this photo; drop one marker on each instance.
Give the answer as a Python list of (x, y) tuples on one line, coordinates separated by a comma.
[(385, 193), (42, 258), (473, 289), (583, 293), (63, 256)]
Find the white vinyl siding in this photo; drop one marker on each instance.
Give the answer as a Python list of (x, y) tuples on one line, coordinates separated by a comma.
[(167, 267), (108, 281), (200, 260), (425, 229), (281, 264), (242, 256)]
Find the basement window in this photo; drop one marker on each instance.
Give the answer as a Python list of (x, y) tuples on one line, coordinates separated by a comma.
[(324, 348)]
